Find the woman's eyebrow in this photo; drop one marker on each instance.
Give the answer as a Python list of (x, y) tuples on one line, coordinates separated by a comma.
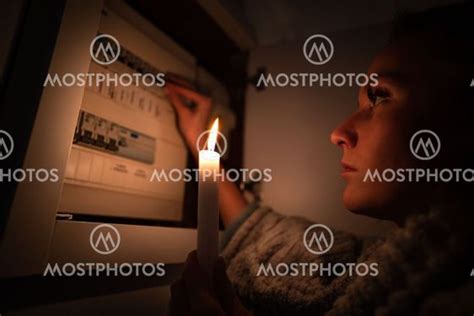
[(392, 78), (390, 75)]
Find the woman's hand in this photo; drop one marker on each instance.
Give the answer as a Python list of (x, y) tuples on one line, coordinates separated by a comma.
[(193, 294), (191, 121)]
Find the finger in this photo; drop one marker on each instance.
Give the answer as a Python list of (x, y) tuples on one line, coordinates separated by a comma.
[(206, 305), (203, 305), (194, 276), (223, 287), (179, 304), (187, 92), (197, 283), (182, 109), (190, 94)]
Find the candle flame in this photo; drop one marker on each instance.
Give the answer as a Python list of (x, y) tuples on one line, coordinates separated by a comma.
[(211, 141)]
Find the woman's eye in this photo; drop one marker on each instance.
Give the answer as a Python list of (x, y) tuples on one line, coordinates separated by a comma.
[(376, 96), (376, 101)]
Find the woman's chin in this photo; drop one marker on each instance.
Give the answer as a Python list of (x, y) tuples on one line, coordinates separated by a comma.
[(362, 202)]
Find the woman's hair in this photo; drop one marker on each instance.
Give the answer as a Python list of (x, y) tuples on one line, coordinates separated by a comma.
[(446, 33), (449, 29)]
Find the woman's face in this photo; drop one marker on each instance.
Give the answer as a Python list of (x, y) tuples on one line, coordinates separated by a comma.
[(377, 134)]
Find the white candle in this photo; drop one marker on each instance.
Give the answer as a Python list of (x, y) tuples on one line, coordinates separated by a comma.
[(208, 210)]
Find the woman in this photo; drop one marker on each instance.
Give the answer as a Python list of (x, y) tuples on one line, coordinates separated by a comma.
[(425, 264)]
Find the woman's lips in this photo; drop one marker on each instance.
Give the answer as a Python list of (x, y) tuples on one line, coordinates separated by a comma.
[(346, 168)]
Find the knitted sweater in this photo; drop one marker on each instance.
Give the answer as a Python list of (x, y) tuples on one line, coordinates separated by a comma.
[(424, 269)]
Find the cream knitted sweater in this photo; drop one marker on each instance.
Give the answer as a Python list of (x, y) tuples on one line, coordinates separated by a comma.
[(424, 269)]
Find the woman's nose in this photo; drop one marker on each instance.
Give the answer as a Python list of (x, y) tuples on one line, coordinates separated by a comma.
[(344, 135)]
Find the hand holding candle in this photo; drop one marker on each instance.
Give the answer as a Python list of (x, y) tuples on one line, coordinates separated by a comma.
[(208, 211)]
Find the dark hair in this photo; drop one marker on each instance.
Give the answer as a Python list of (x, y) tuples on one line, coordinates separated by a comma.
[(446, 32)]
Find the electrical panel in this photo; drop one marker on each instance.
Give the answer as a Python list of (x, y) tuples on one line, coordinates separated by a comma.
[(123, 135)]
